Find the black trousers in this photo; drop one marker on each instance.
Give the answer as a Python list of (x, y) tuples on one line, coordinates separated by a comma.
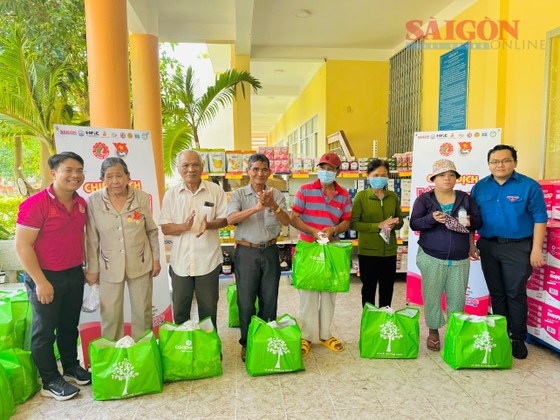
[(374, 271), (257, 274), (62, 315), (506, 268), (205, 287)]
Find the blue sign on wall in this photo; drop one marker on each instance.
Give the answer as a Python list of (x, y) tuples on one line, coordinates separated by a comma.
[(453, 86)]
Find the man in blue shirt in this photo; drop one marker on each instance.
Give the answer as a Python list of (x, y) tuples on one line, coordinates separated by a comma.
[(511, 238)]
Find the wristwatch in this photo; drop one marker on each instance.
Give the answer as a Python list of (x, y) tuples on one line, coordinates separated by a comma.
[(278, 210)]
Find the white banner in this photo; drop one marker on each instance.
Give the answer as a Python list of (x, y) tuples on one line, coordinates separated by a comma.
[(94, 145), (468, 149)]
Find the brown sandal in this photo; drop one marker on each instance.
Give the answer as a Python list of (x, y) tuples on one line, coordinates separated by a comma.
[(433, 345)]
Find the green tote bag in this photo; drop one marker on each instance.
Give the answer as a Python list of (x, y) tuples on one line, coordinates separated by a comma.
[(389, 334), (477, 342), (125, 372), (190, 354), (7, 405), (273, 347), (21, 372), (323, 268)]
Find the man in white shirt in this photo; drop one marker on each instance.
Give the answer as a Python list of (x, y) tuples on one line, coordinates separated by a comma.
[(192, 212)]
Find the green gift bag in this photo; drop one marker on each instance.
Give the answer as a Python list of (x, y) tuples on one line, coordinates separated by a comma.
[(388, 334), (15, 320), (125, 372), (190, 354), (322, 267), (273, 347), (233, 310), (473, 341), (21, 373), (7, 405)]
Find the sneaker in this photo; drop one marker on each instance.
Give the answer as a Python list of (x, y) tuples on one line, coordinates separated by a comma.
[(78, 375), (59, 389), (519, 349)]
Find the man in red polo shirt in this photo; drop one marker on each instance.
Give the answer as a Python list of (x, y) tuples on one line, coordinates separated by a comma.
[(320, 208), (49, 244)]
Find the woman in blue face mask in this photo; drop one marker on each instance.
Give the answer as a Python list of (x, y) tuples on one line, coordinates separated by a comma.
[(376, 215)]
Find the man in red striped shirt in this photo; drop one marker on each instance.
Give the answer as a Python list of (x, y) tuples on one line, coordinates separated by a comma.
[(321, 208)]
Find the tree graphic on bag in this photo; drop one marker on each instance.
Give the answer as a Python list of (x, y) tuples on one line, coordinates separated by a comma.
[(389, 331), (124, 371), (279, 347), (484, 342)]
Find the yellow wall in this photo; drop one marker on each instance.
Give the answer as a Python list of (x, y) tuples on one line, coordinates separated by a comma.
[(506, 81), (345, 95), (358, 103), (310, 103)]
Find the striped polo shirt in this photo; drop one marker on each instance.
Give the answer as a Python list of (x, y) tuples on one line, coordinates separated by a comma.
[(316, 210)]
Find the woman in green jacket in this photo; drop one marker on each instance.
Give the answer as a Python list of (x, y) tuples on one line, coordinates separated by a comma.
[(376, 215)]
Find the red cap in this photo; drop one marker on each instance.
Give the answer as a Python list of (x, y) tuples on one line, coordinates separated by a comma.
[(331, 159)]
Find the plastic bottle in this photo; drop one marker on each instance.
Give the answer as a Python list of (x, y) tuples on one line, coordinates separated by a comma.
[(462, 216), (227, 264)]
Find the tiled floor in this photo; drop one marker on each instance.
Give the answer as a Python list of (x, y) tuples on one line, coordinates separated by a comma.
[(336, 386)]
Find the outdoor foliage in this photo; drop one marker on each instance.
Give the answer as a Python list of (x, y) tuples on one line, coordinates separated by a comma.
[(8, 215), (184, 112)]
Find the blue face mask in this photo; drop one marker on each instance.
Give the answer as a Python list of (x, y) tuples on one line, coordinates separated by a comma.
[(326, 177), (378, 182)]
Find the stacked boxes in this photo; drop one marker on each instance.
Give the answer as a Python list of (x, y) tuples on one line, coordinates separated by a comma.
[(279, 158), (551, 189), (543, 291)]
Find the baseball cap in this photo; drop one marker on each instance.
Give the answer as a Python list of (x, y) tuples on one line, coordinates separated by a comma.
[(331, 159)]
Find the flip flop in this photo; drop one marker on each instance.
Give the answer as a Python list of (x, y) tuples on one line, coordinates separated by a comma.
[(433, 345), (333, 344), (305, 347)]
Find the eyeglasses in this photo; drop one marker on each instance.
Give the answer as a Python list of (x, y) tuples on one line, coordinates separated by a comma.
[(497, 162)]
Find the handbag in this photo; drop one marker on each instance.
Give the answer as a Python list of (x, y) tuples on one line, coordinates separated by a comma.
[(473, 341), (389, 334), (190, 353), (126, 371), (21, 372), (273, 347), (322, 267)]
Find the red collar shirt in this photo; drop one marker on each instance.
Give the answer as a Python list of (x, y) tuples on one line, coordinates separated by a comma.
[(59, 244)]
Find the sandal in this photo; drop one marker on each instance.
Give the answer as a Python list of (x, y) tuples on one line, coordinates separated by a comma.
[(305, 347), (333, 344), (433, 345)]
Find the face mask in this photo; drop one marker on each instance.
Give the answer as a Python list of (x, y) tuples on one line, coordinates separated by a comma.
[(326, 177), (379, 182)]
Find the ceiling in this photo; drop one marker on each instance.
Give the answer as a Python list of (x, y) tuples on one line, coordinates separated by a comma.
[(287, 40)]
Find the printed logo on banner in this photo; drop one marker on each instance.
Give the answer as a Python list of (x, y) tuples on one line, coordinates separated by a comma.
[(121, 150), (81, 133), (446, 149), (477, 134), (100, 150), (144, 136), (92, 133), (68, 132), (465, 147), (123, 136), (492, 133)]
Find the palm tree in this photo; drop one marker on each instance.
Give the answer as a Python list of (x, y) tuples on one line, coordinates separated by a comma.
[(185, 113), (33, 98)]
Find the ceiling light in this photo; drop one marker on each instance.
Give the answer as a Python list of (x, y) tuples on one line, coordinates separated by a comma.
[(302, 13)]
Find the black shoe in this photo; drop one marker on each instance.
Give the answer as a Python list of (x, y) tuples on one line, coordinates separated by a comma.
[(519, 349), (243, 353), (59, 389), (78, 375)]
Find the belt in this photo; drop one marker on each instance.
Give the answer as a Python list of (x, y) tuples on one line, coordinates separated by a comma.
[(501, 240), (262, 245)]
